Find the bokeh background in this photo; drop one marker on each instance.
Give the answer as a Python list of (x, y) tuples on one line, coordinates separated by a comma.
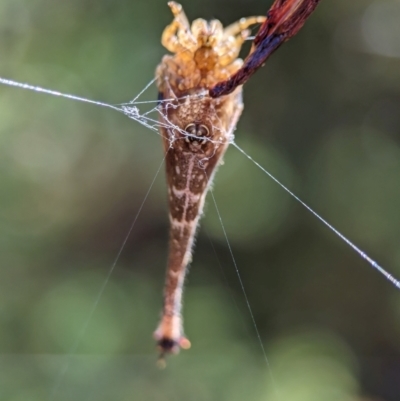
[(322, 116)]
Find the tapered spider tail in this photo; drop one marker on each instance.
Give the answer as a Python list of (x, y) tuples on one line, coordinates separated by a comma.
[(167, 346), (196, 132), (284, 19)]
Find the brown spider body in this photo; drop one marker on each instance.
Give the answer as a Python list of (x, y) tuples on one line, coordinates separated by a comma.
[(196, 131), (200, 105), (190, 165)]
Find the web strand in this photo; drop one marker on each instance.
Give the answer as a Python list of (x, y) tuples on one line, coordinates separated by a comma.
[(372, 262), (131, 110), (20, 85), (81, 334), (226, 281), (245, 294)]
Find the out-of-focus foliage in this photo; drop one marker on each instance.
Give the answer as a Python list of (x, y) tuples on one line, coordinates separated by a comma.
[(322, 115)]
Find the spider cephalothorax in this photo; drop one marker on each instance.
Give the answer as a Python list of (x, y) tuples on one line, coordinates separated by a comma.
[(205, 53)]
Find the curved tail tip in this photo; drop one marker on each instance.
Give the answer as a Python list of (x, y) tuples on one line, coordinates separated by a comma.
[(169, 346), (184, 343)]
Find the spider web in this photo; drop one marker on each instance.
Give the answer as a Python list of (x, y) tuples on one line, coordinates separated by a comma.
[(150, 119), (147, 119)]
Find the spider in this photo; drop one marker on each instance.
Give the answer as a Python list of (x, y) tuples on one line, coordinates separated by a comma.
[(200, 102)]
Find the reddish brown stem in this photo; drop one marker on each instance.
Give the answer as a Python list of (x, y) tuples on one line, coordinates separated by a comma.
[(284, 19)]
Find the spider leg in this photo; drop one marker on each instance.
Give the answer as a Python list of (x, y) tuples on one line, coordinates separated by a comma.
[(241, 25), (233, 67), (199, 31), (230, 49), (207, 33), (217, 31), (177, 36)]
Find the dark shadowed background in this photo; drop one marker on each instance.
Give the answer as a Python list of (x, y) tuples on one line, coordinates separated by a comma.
[(322, 116)]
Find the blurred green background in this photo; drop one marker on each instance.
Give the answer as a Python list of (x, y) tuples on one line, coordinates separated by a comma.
[(322, 116)]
